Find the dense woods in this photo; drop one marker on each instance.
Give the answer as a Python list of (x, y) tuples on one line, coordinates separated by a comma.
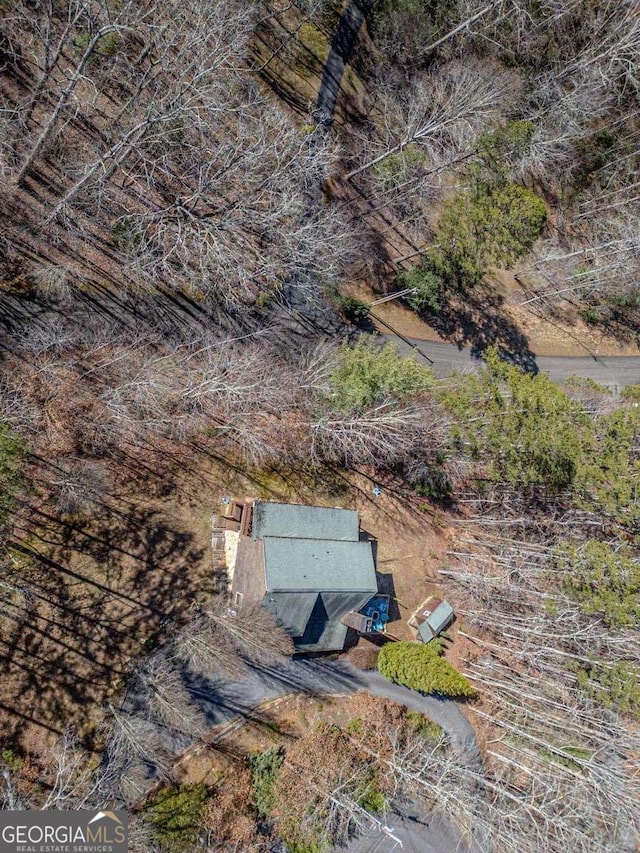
[(183, 235)]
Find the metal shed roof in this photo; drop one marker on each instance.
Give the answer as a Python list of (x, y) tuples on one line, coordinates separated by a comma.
[(436, 622), (294, 521), (304, 565)]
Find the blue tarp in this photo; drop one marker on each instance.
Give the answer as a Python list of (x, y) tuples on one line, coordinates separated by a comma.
[(377, 609)]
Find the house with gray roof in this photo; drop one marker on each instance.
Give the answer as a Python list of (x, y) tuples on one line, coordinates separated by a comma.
[(308, 565)]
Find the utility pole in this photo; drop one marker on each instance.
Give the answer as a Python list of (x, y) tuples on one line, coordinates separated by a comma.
[(382, 299)]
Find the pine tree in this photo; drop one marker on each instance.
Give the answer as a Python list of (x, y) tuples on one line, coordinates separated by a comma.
[(420, 667)]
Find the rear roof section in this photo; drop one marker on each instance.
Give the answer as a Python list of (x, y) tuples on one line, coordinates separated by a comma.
[(294, 521)]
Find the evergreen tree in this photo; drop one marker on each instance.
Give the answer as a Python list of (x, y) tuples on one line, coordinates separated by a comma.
[(491, 227), (420, 666), (524, 429), (368, 374), (11, 457)]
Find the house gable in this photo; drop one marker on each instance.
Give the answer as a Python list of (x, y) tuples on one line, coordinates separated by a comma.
[(313, 619)]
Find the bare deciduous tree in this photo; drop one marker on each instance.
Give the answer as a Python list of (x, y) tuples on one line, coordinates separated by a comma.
[(254, 633), (165, 698), (201, 181), (319, 788), (78, 484), (442, 113), (556, 753), (68, 780), (133, 745), (382, 435)]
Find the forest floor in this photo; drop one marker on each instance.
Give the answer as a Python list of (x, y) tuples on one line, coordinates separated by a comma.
[(279, 721), (118, 576)]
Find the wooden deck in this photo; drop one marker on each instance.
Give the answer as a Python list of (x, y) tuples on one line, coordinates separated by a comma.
[(248, 577), (220, 576)]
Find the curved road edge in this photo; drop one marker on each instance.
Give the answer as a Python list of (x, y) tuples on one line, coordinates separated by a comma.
[(223, 700), (228, 704)]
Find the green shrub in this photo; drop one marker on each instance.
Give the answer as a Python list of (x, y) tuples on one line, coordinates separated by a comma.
[(368, 374), (80, 44), (397, 168), (631, 392), (306, 847), (526, 431), (12, 452), (13, 761), (609, 475), (604, 582), (109, 44), (126, 236), (353, 309), (594, 152), (369, 796), (586, 385), (435, 484), (423, 726), (591, 315), (174, 815), (420, 666), (500, 148), (428, 287), (491, 227), (612, 685), (265, 767)]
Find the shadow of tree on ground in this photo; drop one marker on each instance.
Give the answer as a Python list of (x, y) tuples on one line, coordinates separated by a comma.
[(94, 594), (476, 319)]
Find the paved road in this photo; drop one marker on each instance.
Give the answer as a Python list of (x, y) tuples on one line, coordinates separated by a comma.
[(613, 371), (224, 701), (408, 835)]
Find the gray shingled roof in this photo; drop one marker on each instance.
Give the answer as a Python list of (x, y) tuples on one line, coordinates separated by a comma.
[(317, 627), (294, 521), (303, 565), (331, 640), (316, 569), (291, 609)]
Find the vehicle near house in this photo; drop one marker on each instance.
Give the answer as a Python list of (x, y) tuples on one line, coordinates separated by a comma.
[(310, 566)]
